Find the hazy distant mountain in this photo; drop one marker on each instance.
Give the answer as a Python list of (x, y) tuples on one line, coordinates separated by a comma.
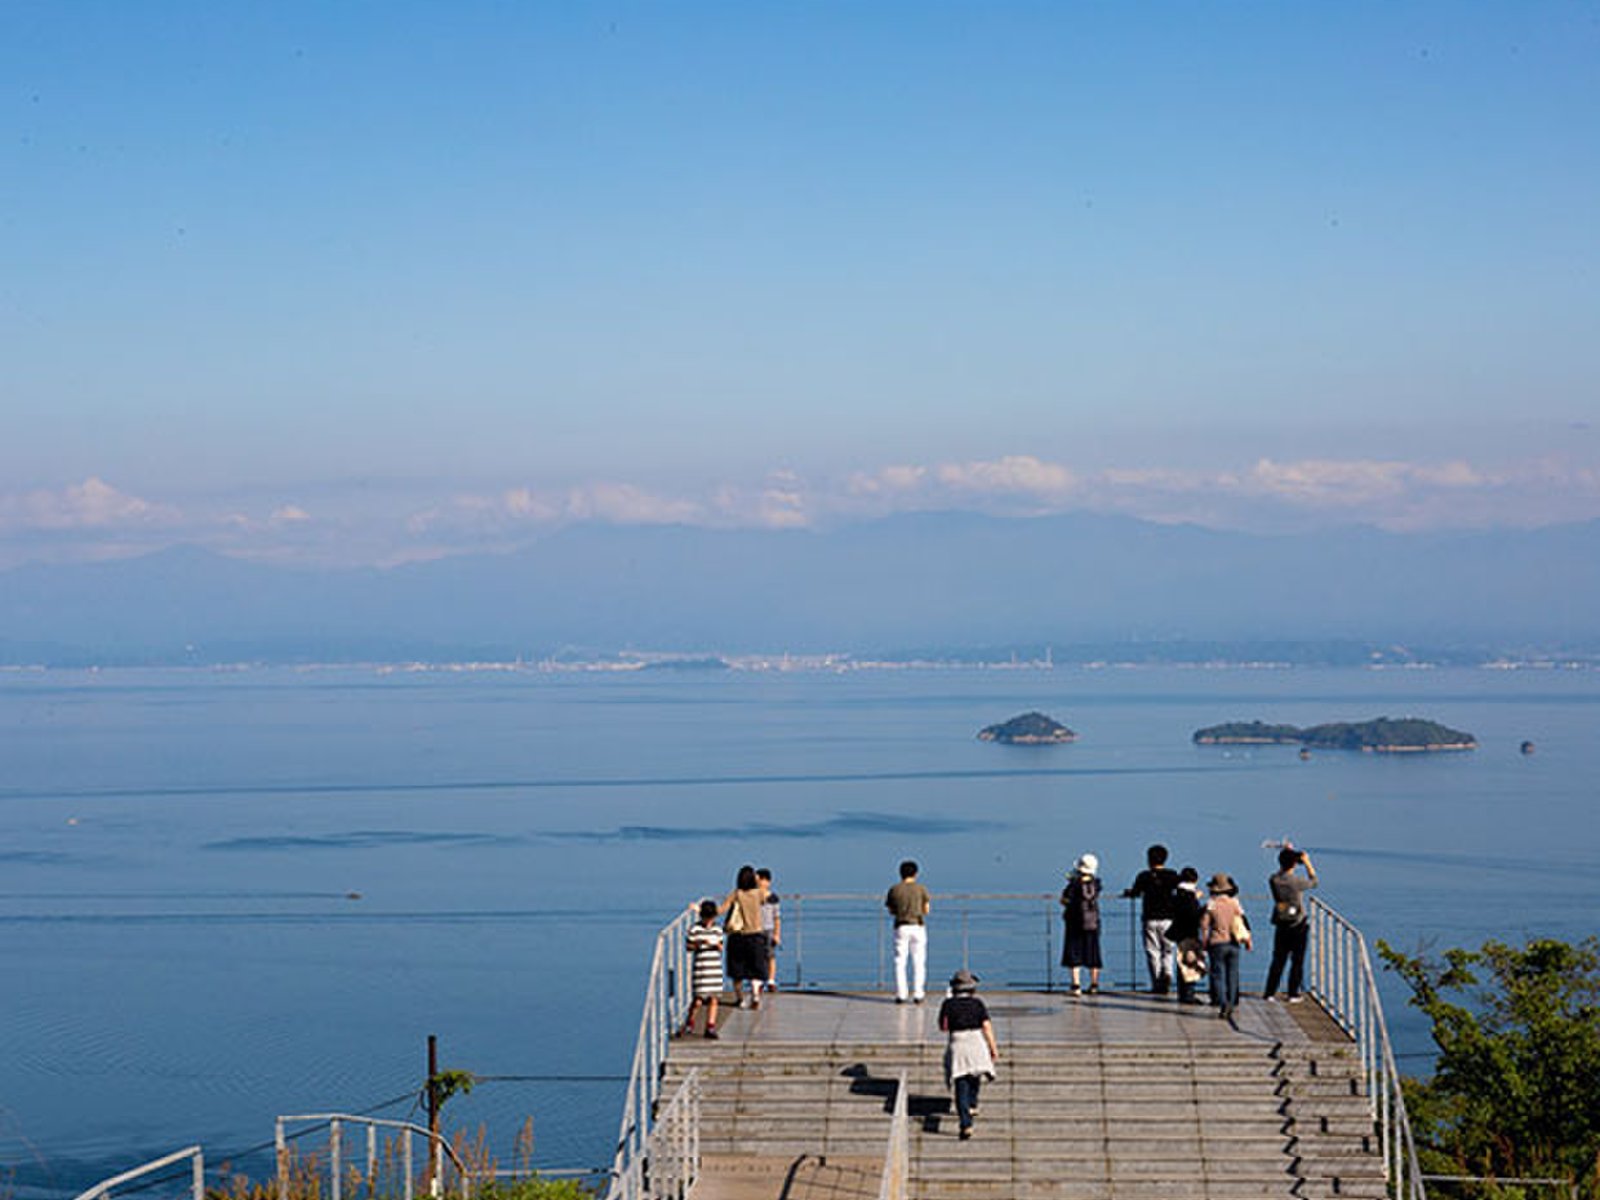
[(942, 579)]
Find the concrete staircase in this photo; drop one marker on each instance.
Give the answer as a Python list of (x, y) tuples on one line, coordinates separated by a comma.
[(1066, 1121)]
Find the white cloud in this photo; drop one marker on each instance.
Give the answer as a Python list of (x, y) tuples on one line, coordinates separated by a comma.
[(887, 480), (94, 519), (90, 505), (625, 504), (1018, 474)]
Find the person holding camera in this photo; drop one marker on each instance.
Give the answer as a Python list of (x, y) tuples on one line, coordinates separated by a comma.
[(1291, 926)]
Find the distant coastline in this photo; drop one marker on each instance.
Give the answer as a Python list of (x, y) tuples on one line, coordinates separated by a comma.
[(671, 663)]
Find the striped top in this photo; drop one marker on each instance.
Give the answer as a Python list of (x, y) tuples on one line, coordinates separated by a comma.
[(705, 953)]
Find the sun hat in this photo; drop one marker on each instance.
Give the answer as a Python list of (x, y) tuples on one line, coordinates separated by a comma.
[(1087, 864), (1222, 885), (963, 981)]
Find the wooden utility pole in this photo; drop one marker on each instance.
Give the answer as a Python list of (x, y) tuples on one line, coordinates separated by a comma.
[(431, 1176)]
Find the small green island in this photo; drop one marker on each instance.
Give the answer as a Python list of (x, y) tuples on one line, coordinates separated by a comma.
[(1385, 735), (1029, 729)]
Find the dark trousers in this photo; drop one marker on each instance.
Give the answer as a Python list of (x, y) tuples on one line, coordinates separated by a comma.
[(966, 1098), (1288, 946)]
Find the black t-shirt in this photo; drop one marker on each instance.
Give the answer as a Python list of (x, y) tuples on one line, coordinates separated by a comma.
[(962, 1012), (1155, 886), (1186, 910)]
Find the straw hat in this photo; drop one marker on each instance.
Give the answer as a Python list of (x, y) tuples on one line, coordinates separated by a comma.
[(1222, 885)]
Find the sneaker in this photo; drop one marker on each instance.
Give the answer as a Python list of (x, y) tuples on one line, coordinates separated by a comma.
[(1075, 990), (1094, 989), (966, 1134), (899, 999), (1293, 999), (755, 1003), (712, 1034), (918, 999)]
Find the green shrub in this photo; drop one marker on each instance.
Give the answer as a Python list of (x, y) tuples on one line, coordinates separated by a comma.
[(1514, 1086)]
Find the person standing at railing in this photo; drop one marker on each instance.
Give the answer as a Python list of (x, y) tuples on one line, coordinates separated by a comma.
[(747, 945), (1080, 908), (1224, 930), (971, 1050), (1184, 934), (1154, 887), (1291, 925), (909, 903), (771, 923)]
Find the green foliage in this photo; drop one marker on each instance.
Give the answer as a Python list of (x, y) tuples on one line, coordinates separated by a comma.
[(535, 1188), (450, 1083), (1406, 732), (1383, 733), (1514, 1087), (1247, 732), (1029, 727)]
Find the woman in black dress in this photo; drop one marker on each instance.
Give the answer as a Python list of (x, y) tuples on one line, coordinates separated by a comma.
[(1080, 907)]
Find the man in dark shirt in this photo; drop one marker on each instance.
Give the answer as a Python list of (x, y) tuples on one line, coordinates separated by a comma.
[(1154, 887), (1291, 927)]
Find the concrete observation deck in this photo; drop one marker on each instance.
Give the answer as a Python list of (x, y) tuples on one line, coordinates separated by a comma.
[(1102, 1097)]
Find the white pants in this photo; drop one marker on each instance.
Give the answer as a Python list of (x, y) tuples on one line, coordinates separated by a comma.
[(911, 941), (1157, 950)]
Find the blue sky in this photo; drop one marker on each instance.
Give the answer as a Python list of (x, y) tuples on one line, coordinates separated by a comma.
[(366, 282)]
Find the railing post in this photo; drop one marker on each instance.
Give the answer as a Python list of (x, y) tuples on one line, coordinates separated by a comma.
[(966, 962), (883, 919), (199, 1176), (1133, 944), (1049, 951), (282, 1145), (409, 1165), (335, 1160), (799, 942)]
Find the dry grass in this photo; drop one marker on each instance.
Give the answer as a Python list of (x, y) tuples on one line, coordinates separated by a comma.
[(384, 1178)]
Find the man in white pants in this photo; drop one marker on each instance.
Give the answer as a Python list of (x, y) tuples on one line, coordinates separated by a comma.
[(909, 902)]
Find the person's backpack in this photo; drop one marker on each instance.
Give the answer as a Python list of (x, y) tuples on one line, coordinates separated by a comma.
[(1089, 903)]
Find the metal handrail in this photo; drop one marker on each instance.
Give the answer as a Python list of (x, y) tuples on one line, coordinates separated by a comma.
[(673, 1164), (102, 1190), (336, 1122), (1343, 981), (666, 1003), (895, 1181), (1031, 924)]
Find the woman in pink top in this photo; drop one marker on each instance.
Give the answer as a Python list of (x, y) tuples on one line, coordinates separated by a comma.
[(1223, 929)]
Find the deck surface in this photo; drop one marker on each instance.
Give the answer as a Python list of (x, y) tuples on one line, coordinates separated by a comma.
[(840, 1018)]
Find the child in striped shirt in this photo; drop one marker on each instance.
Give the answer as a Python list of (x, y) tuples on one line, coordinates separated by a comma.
[(705, 957)]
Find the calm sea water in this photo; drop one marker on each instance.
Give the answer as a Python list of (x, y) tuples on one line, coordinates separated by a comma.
[(183, 958)]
